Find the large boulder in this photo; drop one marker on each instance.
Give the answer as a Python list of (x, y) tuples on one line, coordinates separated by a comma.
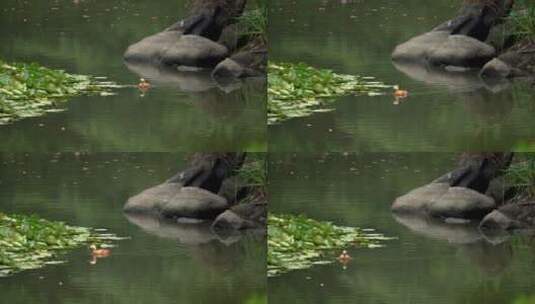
[(441, 48), (417, 48), (458, 42), (461, 51), (419, 199), (174, 200), (174, 48), (442, 201), (151, 200), (195, 203), (459, 202)]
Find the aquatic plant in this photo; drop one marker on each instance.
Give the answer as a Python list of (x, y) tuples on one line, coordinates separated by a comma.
[(29, 90), (298, 242), (30, 242), (298, 90), (521, 174)]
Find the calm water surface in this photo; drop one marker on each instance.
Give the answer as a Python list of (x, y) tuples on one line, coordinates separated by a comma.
[(427, 264), (159, 264), (183, 112), (444, 112)]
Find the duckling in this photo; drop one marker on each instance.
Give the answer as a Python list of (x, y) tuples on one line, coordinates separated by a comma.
[(99, 252), (398, 93), (144, 85), (344, 257)]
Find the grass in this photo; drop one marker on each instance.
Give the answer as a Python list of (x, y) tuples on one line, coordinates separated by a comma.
[(521, 174), (253, 23), (522, 20), (30, 90), (297, 242), (254, 173), (29, 242), (299, 90)]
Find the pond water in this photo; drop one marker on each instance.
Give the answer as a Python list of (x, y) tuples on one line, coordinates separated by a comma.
[(444, 112), (426, 264), (183, 112), (161, 263)]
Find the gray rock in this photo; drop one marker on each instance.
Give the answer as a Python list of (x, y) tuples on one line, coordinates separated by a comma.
[(460, 202), (193, 202), (417, 48), (150, 49), (229, 68), (173, 48), (499, 221), (174, 200), (461, 51), (497, 68), (230, 220), (151, 200), (419, 199), (440, 200), (243, 216), (511, 216), (197, 51)]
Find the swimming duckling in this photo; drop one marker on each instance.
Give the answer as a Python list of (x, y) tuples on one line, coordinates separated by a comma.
[(144, 85), (99, 252), (398, 93), (344, 257)]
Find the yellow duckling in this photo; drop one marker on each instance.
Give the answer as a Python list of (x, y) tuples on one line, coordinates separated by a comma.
[(144, 85)]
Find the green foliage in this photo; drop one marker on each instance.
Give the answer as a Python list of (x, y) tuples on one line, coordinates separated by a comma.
[(254, 174), (298, 90), (29, 90), (29, 242), (254, 170), (253, 23), (522, 174), (297, 242), (522, 20)]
